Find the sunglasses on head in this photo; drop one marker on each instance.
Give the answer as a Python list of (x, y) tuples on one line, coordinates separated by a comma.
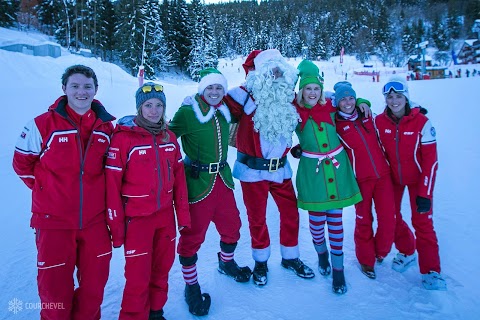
[(395, 86), (149, 88)]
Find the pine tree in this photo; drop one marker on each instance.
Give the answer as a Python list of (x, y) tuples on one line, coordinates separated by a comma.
[(129, 34), (106, 31), (8, 8), (203, 53), (180, 31)]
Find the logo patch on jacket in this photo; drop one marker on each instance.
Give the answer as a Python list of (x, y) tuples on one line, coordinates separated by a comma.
[(142, 152), (112, 155), (63, 139), (433, 132), (23, 135)]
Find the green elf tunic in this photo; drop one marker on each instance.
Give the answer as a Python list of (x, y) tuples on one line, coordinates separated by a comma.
[(204, 131), (325, 178)]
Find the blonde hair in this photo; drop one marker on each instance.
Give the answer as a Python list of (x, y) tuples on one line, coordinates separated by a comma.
[(301, 102)]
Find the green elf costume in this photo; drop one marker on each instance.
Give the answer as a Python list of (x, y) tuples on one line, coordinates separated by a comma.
[(202, 124), (325, 179)]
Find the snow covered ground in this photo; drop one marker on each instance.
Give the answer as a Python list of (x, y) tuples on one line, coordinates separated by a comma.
[(30, 84)]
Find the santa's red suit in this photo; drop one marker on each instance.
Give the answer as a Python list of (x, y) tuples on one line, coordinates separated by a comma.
[(262, 167)]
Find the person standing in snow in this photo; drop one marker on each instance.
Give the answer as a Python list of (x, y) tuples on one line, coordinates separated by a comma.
[(60, 156), (146, 188), (372, 171), (267, 119), (408, 138), (325, 179), (202, 123)]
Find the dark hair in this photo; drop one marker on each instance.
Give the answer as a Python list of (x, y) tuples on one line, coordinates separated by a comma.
[(81, 69)]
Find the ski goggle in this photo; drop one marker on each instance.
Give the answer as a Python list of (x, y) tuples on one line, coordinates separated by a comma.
[(149, 88), (395, 86)]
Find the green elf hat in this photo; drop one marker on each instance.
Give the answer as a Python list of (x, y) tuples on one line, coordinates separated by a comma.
[(210, 76), (309, 73)]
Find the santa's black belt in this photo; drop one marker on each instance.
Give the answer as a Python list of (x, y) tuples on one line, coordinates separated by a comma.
[(271, 165), (213, 167)]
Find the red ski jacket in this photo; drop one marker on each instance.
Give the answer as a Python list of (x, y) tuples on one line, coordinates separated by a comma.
[(68, 183), (411, 149), (363, 148), (144, 175)]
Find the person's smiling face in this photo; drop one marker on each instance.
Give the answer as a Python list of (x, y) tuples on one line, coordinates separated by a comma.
[(80, 91)]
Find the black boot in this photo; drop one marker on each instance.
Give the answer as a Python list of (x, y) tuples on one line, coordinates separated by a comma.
[(298, 267), (156, 315), (369, 271), (198, 303), (260, 273), (338, 286), (323, 264), (231, 269)]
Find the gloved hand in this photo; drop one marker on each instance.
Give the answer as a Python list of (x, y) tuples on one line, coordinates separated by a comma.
[(423, 204), (296, 151)]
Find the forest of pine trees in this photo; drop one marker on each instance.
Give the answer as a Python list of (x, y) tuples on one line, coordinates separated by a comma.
[(181, 36)]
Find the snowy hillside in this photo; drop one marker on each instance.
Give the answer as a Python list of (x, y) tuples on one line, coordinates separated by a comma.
[(30, 84)]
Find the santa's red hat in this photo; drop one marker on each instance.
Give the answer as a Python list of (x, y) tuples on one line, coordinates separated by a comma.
[(249, 64)]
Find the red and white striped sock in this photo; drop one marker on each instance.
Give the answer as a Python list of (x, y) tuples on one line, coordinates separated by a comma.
[(190, 274), (226, 257)]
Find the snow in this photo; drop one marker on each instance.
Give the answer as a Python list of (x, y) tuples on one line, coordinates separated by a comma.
[(30, 84)]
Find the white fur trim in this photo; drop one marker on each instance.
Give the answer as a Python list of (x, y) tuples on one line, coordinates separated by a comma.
[(261, 255), (289, 252), (210, 79), (266, 55), (190, 100), (240, 95)]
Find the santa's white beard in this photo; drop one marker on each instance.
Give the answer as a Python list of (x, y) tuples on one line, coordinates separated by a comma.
[(275, 116)]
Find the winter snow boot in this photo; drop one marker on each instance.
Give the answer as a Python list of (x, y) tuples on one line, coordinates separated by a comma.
[(401, 262), (260, 273), (368, 271), (231, 269), (198, 303), (156, 315), (338, 286), (323, 264), (298, 267), (434, 281)]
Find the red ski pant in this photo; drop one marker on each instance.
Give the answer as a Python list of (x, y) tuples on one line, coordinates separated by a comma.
[(426, 239), (218, 207), (59, 252), (149, 256), (367, 244), (255, 196)]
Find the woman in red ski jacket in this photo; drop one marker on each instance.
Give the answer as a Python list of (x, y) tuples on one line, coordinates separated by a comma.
[(358, 136), (408, 138), (145, 186)]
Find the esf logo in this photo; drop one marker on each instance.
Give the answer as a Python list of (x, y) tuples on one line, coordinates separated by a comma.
[(169, 149)]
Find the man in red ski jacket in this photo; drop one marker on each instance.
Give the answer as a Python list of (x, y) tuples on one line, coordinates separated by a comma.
[(60, 155)]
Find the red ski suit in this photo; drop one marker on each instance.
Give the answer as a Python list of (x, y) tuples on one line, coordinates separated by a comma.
[(411, 149), (60, 155), (373, 176), (146, 187)]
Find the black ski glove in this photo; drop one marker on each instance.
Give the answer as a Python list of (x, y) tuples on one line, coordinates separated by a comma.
[(423, 204), (296, 151)]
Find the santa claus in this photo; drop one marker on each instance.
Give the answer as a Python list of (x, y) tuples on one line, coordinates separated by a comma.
[(266, 121)]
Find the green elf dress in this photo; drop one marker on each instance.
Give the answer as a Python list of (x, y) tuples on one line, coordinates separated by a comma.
[(325, 178)]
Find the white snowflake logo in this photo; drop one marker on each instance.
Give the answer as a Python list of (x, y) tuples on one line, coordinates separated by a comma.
[(15, 305)]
